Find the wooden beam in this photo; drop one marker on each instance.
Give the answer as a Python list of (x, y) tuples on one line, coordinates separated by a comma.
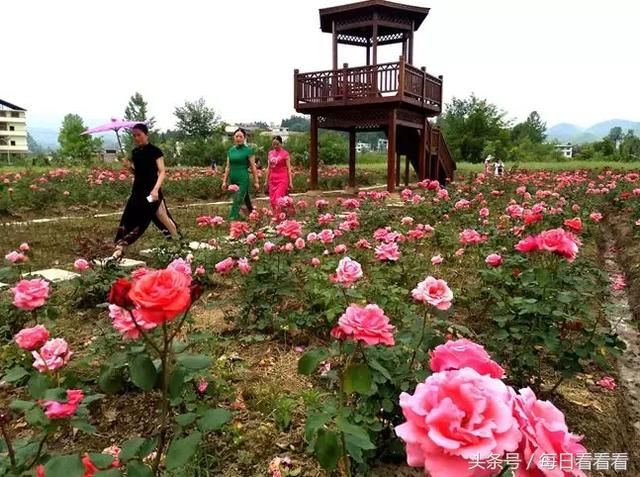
[(422, 151), (374, 38), (391, 151), (335, 46), (313, 153), (368, 55), (406, 171), (398, 161), (411, 45), (352, 158)]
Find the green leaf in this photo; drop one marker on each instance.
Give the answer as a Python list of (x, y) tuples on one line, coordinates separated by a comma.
[(19, 405), (15, 374), (176, 382), (64, 466), (110, 380), (186, 419), (56, 394), (310, 361), (91, 398), (136, 469), (314, 423), (194, 361), (178, 346), (143, 373), (182, 450), (84, 426), (130, 449), (38, 385), (357, 378), (147, 448), (36, 417), (213, 419), (327, 449), (108, 473), (378, 367), (101, 461)]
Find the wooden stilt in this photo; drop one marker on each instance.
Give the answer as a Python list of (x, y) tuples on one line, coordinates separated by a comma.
[(352, 158), (313, 153), (391, 152)]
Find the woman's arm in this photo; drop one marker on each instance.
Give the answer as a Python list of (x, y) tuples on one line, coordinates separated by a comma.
[(254, 171), (226, 175), (128, 165), (290, 173), (162, 173)]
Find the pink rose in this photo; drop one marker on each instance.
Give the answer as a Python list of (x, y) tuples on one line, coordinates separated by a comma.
[(243, 266), (368, 324), (312, 237), (182, 266), (471, 237), (233, 188), (161, 295), (348, 271), (607, 382), (81, 265), (268, 247), (24, 247), (315, 262), (225, 266), (30, 294), (363, 244), (340, 249), (30, 339), (528, 245), (545, 433), (434, 292), (407, 221), (463, 353), (290, 229), (200, 270), (436, 259), (595, 216), (53, 355), (454, 418), (560, 242), (484, 212), (493, 260), (238, 229), (251, 239), (574, 224), (299, 243), (16, 257), (123, 323), (388, 252), (63, 410), (325, 236), (202, 386)]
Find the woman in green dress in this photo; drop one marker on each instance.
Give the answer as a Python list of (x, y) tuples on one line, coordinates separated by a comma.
[(239, 159)]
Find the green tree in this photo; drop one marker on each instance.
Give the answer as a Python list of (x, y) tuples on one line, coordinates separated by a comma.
[(196, 120), (615, 134), (296, 123), (332, 147), (630, 147), (137, 110), (533, 128), (75, 145), (32, 144), (472, 126)]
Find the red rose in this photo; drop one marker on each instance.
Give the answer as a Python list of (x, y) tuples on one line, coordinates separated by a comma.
[(161, 295), (119, 293)]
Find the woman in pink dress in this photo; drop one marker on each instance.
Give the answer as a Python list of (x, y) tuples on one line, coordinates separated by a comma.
[(279, 175)]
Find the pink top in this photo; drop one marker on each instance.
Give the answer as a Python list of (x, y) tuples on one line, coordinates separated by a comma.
[(278, 161)]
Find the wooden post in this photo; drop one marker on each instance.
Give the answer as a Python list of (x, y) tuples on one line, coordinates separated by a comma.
[(422, 151), (401, 78), (411, 44), (313, 153), (352, 158), (335, 46), (398, 161), (296, 89), (368, 55), (391, 151), (424, 84), (345, 82), (374, 39), (441, 88), (405, 42)]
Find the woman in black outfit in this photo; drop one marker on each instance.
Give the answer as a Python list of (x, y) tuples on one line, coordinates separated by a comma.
[(146, 203)]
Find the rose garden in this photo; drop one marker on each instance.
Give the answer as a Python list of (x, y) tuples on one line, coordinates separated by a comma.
[(482, 329)]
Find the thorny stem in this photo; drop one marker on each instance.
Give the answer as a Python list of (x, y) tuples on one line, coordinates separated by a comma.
[(40, 446), (341, 403), (144, 334), (415, 350), (165, 402), (10, 451)]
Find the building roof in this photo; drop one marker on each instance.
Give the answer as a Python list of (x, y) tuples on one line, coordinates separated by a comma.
[(361, 11), (11, 106)]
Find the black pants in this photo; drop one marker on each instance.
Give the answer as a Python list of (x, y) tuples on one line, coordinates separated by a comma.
[(247, 202)]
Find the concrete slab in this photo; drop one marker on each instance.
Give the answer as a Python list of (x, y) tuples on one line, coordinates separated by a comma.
[(54, 274), (3, 285), (200, 246), (125, 263)]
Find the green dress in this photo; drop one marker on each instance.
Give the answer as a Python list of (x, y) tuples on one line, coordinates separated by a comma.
[(239, 175)]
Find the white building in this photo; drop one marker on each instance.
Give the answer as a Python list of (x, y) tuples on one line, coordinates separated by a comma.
[(13, 129), (362, 147), (383, 144), (565, 149)]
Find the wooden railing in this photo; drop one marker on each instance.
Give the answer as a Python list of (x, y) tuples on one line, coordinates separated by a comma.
[(368, 83)]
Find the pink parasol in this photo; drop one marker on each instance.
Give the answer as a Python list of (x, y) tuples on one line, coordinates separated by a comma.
[(114, 125)]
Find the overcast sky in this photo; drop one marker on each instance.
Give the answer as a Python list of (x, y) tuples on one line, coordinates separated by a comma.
[(572, 60)]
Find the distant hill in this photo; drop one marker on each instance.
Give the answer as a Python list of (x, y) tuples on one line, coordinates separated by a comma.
[(47, 138), (566, 132)]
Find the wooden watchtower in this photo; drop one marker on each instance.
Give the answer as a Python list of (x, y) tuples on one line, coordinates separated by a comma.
[(396, 98)]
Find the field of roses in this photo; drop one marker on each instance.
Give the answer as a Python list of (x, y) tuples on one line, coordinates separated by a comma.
[(59, 189), (455, 331)]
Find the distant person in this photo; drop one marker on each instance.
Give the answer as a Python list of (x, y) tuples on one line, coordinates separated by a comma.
[(499, 168), (240, 158), (487, 165), (279, 175), (146, 203), (214, 165)]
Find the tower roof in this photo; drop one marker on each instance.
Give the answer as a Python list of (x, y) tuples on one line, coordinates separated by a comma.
[(355, 20), (7, 104)]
